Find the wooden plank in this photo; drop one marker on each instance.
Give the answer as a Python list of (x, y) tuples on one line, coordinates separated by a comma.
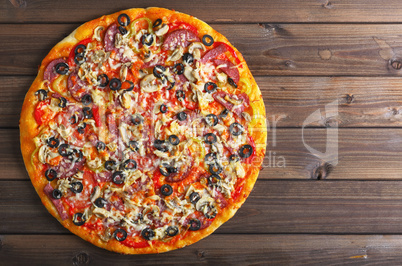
[(363, 154), (216, 249), (277, 49), (14, 11), (362, 102), (319, 207)]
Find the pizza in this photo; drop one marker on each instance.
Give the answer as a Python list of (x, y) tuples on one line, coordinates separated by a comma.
[(144, 131)]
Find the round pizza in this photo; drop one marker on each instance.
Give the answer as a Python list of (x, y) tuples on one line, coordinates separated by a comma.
[(144, 131)]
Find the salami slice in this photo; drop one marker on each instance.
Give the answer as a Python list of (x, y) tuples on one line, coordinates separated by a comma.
[(76, 86), (211, 54), (110, 37), (179, 37), (235, 103), (48, 189), (50, 73), (229, 68)]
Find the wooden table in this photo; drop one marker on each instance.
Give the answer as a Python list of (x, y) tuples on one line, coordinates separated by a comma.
[(305, 55)]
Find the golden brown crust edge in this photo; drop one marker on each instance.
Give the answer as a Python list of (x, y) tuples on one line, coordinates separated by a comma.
[(29, 129)]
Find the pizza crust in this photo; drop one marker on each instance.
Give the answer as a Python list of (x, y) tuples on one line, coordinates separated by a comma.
[(29, 129)]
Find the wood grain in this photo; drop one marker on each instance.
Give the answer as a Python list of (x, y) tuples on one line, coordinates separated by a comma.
[(362, 102), (216, 249), (326, 207), (23, 11), (269, 49), (374, 153)]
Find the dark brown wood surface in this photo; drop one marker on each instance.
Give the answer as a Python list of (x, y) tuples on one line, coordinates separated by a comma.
[(303, 209)]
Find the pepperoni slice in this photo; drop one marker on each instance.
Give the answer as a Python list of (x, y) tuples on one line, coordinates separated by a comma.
[(50, 73), (229, 68), (213, 53), (76, 86), (179, 37), (48, 189)]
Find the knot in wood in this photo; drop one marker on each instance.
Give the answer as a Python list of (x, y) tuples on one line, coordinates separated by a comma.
[(349, 98), (322, 171), (81, 259), (327, 5), (201, 254), (396, 64)]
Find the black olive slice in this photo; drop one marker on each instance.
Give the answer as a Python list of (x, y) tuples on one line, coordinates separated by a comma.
[(178, 68), (210, 87), (137, 119), (161, 145), (207, 40), (110, 165), (211, 120), (195, 224), (232, 82), (174, 140), (213, 179), (76, 187), (182, 116), (120, 234), (210, 138), (79, 219), (50, 174), (73, 119), (65, 150), (76, 155), (57, 194), (86, 99), (164, 169), (158, 71), (246, 151), (147, 233), (211, 213), (133, 145), (42, 94), (131, 85), (157, 23), (118, 177), (61, 68), (163, 108), (100, 146), (53, 142), (103, 80), (100, 202), (224, 113), (172, 231), (81, 129), (123, 19), (115, 84), (87, 112), (80, 49), (79, 59), (180, 95), (129, 164), (147, 39), (63, 102), (123, 30), (234, 158), (215, 168), (188, 58), (236, 129), (171, 86), (210, 158), (194, 197), (166, 190)]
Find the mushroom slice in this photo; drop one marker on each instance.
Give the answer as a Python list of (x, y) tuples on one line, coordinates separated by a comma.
[(146, 83), (162, 31), (177, 54), (195, 45), (97, 31), (188, 73)]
